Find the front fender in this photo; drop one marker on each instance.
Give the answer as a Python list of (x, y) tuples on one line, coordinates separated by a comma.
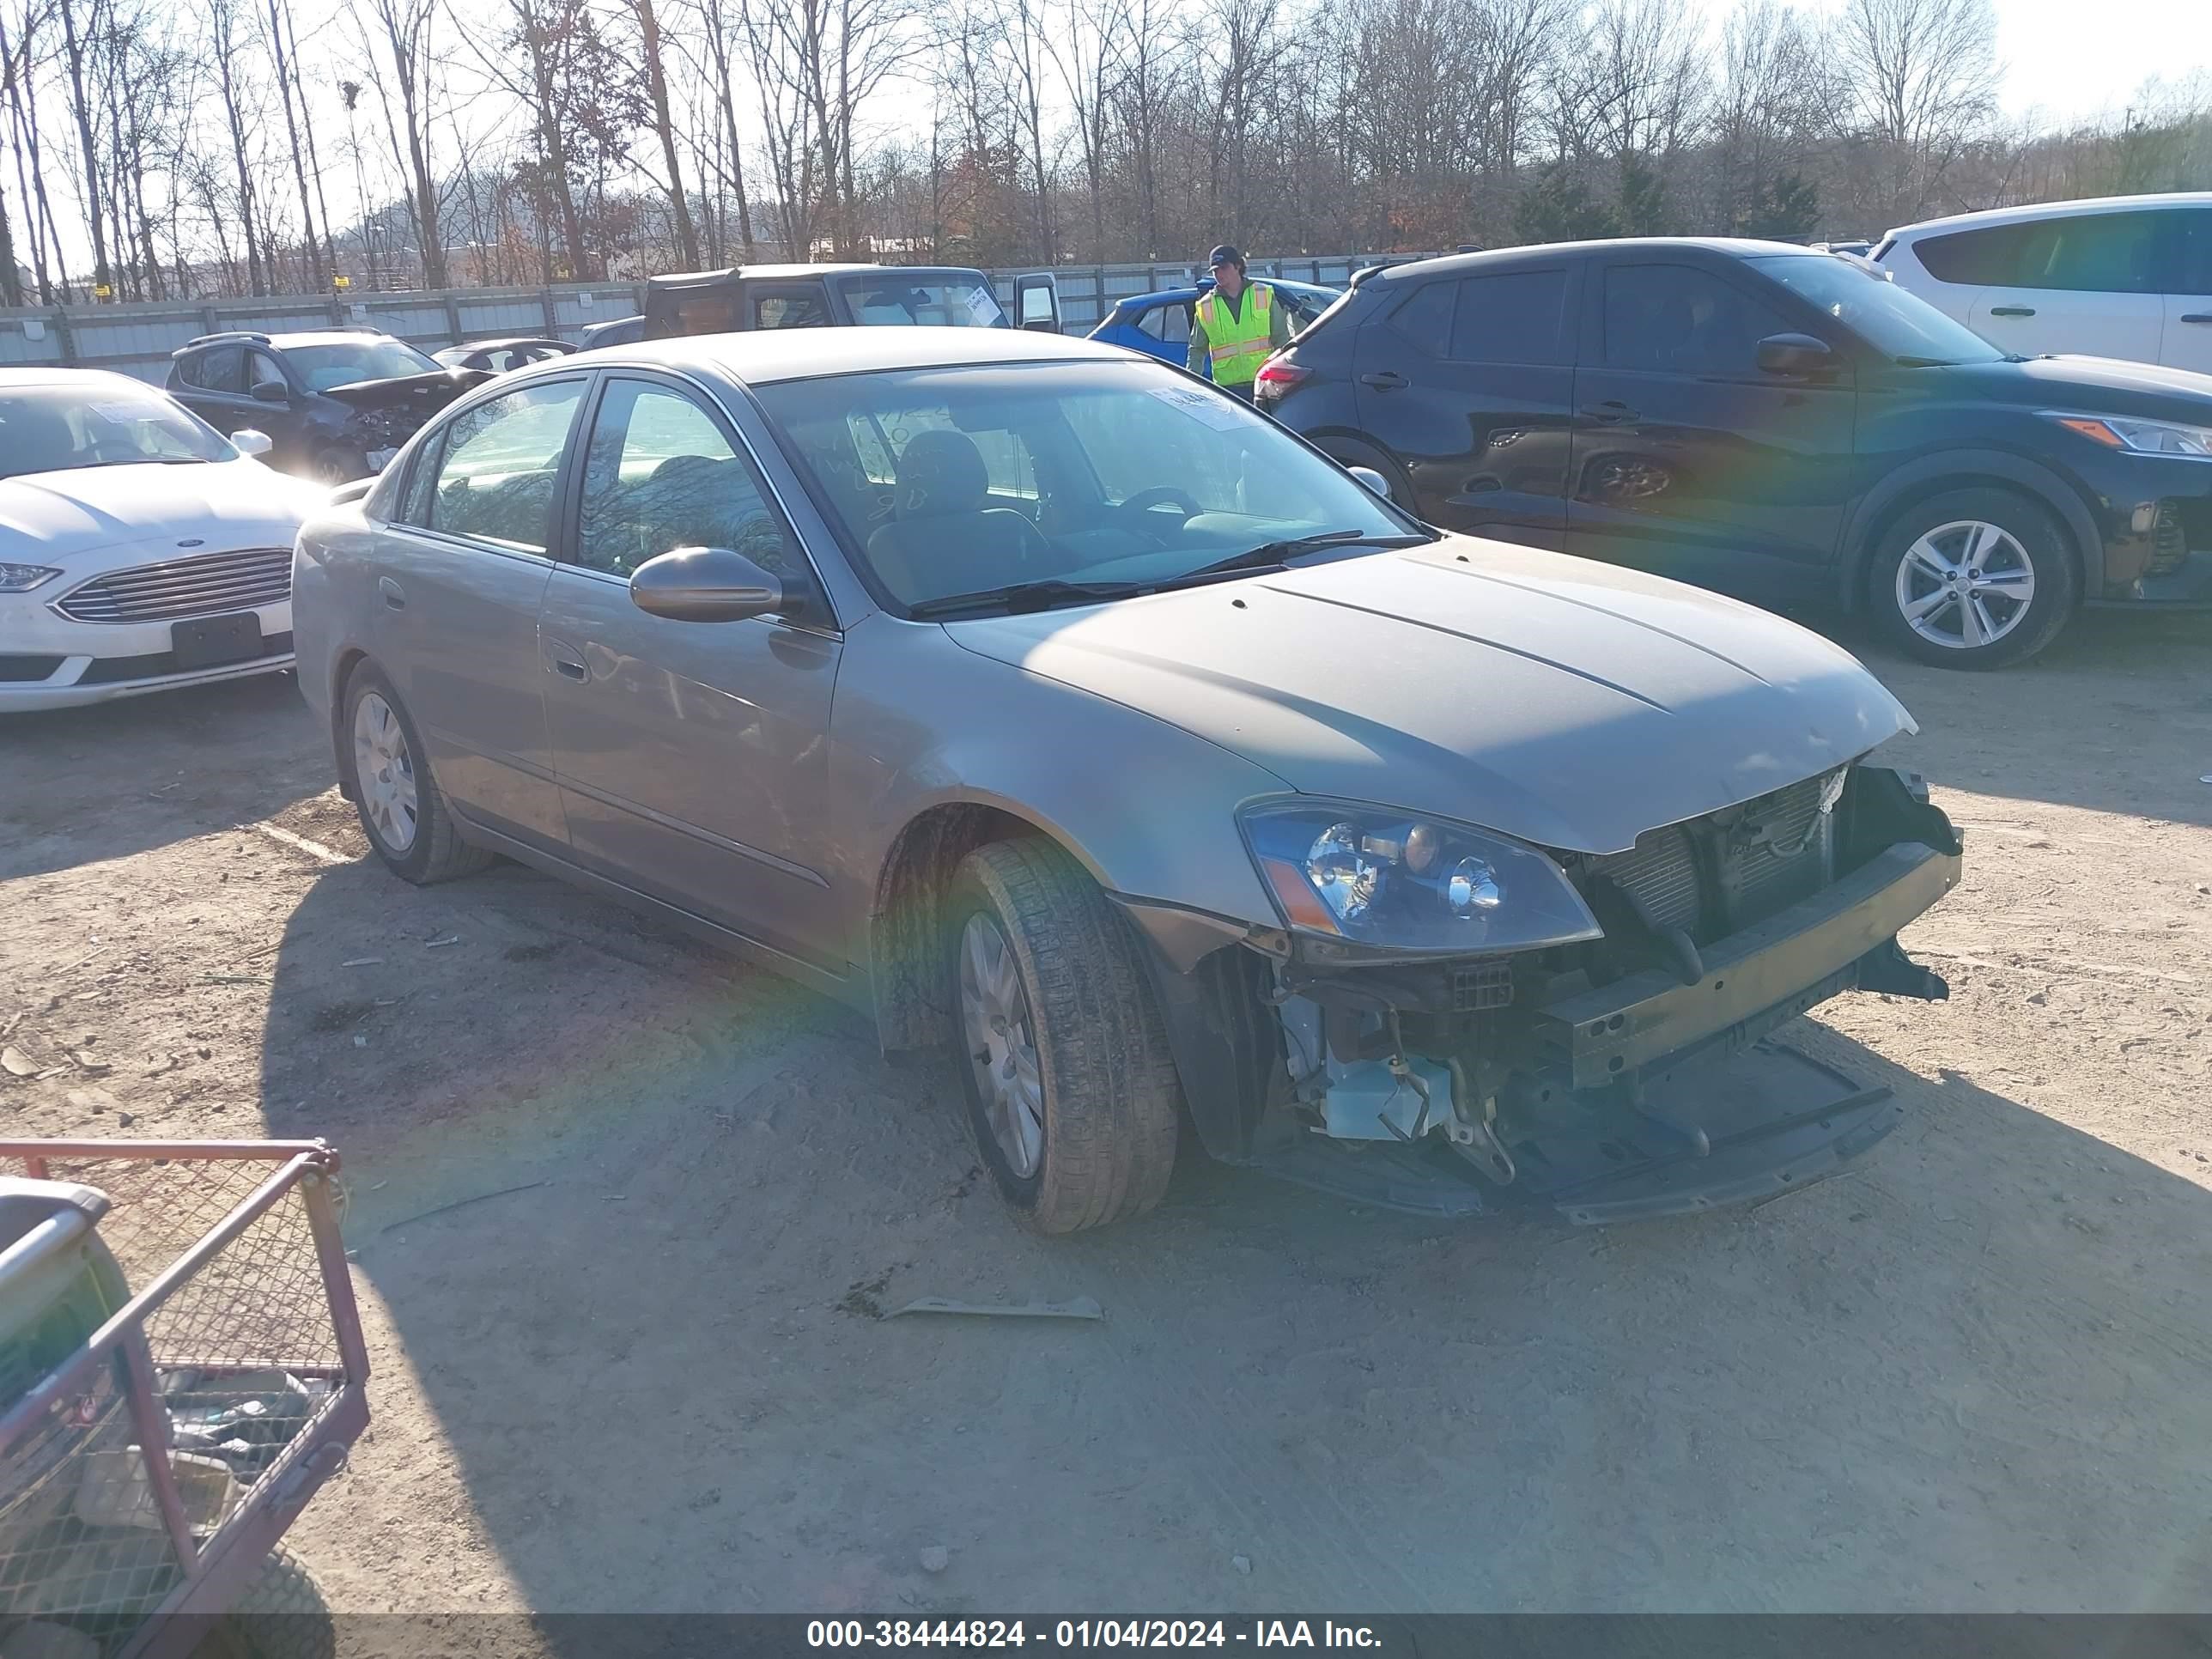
[(1148, 809), (1966, 466)]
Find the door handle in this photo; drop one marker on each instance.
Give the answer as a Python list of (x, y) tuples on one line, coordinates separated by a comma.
[(1611, 413), (1387, 380), (395, 597), (2196, 316), (566, 659), (2012, 310)]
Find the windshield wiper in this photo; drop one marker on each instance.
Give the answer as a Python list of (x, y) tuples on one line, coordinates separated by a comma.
[(1269, 554), (1028, 596), (1926, 362)]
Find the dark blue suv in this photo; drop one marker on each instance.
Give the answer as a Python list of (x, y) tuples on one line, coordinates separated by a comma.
[(1777, 422)]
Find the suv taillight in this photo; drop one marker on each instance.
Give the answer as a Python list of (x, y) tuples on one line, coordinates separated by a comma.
[(1276, 376)]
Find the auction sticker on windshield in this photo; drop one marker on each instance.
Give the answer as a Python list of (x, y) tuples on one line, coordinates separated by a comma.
[(1200, 406), (984, 305)]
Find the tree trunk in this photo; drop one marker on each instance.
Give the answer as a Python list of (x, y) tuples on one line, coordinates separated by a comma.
[(284, 87), (73, 49), (656, 86)]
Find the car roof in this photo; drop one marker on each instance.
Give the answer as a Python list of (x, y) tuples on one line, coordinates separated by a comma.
[(761, 357), (1734, 247), (40, 375), (506, 340), (2028, 214), (306, 336), (1192, 290)]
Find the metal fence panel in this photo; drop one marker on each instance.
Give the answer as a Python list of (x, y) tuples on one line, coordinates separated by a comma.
[(137, 339)]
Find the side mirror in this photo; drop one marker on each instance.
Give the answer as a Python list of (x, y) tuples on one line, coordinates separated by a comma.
[(251, 440), (1374, 480), (271, 392), (705, 584), (1794, 354)]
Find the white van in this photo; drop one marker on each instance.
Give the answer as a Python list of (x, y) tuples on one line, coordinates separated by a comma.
[(2123, 277)]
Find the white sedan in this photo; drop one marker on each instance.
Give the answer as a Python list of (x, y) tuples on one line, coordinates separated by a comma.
[(139, 549)]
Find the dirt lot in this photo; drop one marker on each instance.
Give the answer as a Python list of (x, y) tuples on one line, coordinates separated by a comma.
[(1970, 1373)]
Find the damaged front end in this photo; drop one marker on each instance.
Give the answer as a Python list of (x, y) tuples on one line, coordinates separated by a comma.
[(1450, 1022), (383, 415)]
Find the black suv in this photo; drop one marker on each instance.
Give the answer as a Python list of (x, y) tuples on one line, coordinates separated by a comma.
[(338, 402), (1777, 422)]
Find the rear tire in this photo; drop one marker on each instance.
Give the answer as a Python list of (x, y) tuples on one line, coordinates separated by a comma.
[(1977, 578), (403, 812), (1073, 1098)]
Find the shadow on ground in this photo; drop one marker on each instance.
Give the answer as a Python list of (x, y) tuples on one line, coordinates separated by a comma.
[(192, 761), (2116, 716), (1967, 1373)]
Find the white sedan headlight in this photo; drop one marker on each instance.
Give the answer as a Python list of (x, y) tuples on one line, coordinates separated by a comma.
[(2143, 437), (1390, 881), (22, 578)]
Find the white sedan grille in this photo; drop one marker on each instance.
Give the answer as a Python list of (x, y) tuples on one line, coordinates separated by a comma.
[(210, 583)]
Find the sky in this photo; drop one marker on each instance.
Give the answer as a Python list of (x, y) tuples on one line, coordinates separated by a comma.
[(2077, 58)]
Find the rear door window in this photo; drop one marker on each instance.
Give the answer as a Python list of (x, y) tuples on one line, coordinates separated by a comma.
[(1514, 317), (222, 370), (1169, 324), (2194, 259), (1425, 317), (2080, 252), (493, 477), (1677, 320)]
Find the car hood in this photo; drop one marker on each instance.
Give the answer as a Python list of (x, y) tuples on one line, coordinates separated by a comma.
[(2095, 386), (1569, 703), (46, 518), (430, 389)]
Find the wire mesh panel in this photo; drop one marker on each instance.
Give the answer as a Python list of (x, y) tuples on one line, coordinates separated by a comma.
[(205, 1317)]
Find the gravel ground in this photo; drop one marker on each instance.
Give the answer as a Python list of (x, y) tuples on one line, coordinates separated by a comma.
[(1968, 1374)]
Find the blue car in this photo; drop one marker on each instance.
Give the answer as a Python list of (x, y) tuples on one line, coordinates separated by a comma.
[(1160, 323)]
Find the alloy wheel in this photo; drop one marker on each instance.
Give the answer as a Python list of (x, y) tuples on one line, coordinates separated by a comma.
[(996, 1019), (384, 772), (1965, 585)]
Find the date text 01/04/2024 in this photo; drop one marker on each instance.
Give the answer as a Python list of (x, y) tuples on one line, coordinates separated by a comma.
[(1088, 1633)]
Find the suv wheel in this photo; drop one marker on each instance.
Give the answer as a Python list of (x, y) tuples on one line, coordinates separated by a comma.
[(1979, 578), (402, 811), (1071, 1092)]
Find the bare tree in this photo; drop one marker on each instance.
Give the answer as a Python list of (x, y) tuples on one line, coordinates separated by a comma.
[(277, 18), (656, 84), (403, 31), (1920, 76), (1078, 37)]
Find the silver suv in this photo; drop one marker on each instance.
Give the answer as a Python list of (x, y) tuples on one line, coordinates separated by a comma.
[(1061, 711)]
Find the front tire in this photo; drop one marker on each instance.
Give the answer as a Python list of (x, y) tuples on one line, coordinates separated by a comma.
[(1071, 1092), (1979, 578), (403, 812)]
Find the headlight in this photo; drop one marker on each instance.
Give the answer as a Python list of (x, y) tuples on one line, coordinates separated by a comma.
[(1390, 881), (22, 578), (2142, 437)]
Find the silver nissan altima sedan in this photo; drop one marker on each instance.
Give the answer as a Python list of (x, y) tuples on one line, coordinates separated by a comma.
[(1063, 712)]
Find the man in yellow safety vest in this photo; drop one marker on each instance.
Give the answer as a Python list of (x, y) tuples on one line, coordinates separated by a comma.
[(1234, 328)]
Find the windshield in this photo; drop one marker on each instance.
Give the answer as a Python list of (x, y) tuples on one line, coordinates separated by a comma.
[(323, 367), (957, 481), (948, 302), (1900, 326), (59, 429)]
